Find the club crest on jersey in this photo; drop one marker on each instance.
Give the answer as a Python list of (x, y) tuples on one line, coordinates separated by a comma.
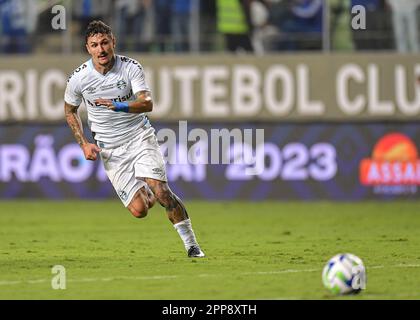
[(121, 84)]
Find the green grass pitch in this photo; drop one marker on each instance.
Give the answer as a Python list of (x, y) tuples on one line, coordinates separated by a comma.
[(264, 250)]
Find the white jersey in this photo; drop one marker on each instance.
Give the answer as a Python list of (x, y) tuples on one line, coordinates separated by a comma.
[(120, 84)]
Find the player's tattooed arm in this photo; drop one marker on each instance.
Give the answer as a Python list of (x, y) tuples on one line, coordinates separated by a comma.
[(143, 103), (75, 123), (90, 150)]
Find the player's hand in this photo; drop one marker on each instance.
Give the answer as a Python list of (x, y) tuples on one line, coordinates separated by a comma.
[(90, 151), (106, 102)]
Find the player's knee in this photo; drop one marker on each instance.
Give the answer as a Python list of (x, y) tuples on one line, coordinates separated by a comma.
[(138, 212), (138, 206)]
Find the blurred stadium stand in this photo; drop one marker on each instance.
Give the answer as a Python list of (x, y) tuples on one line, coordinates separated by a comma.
[(179, 26), (323, 110)]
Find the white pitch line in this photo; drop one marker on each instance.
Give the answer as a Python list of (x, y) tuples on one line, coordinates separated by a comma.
[(365, 295), (279, 271), (5, 283), (396, 295), (202, 275)]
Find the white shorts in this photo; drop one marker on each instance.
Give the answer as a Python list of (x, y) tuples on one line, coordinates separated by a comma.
[(127, 164)]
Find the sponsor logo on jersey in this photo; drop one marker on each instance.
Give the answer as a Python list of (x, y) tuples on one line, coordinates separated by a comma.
[(121, 84), (128, 60), (117, 99), (83, 66), (108, 86)]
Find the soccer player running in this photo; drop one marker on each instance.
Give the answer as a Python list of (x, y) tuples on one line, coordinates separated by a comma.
[(117, 97)]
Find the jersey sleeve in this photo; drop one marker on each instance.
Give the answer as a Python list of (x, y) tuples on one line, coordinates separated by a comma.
[(73, 94), (137, 78)]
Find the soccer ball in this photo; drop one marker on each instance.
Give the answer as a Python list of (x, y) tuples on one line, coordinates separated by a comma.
[(344, 274)]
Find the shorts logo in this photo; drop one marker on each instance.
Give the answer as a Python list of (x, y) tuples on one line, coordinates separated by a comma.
[(121, 84), (159, 172), (123, 195)]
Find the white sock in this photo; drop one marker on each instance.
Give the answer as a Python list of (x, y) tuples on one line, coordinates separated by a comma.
[(186, 233)]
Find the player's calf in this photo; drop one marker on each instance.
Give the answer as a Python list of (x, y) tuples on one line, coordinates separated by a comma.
[(151, 197), (174, 207)]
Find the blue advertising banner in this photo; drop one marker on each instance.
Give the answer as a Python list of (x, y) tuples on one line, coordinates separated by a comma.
[(225, 161)]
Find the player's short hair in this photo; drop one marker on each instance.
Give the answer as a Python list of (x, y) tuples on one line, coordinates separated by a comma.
[(97, 27)]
